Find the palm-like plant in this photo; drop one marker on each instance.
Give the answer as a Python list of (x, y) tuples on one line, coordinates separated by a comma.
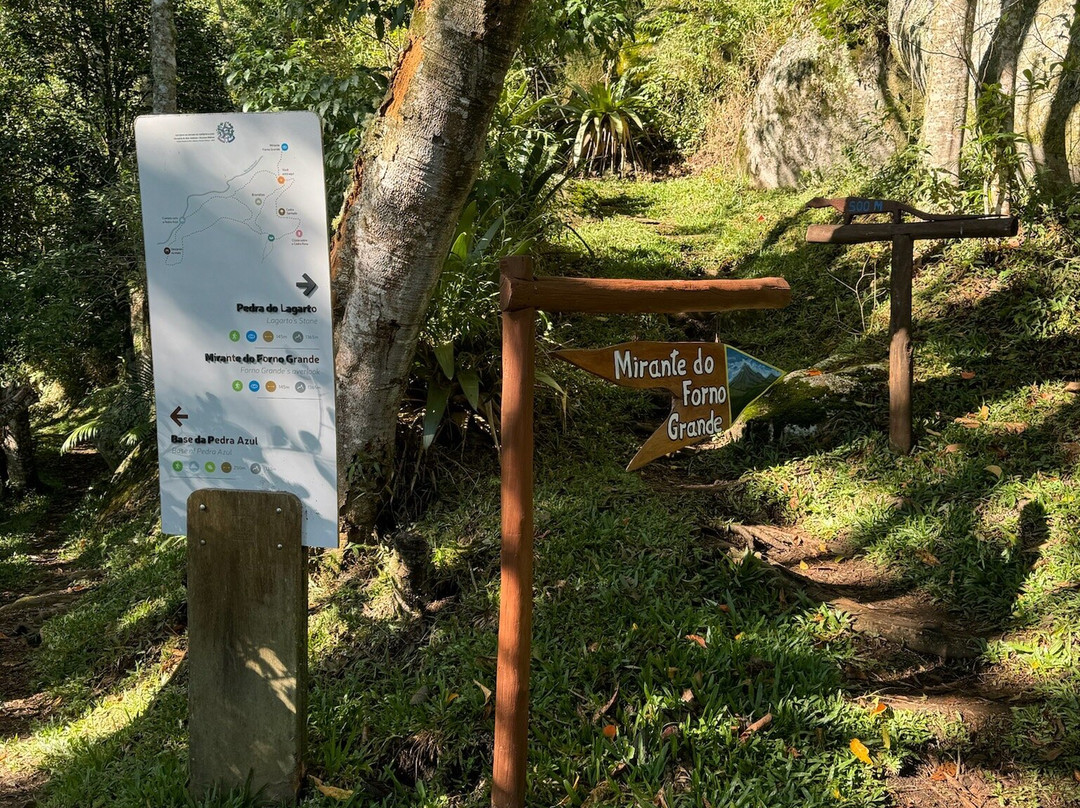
[(609, 123)]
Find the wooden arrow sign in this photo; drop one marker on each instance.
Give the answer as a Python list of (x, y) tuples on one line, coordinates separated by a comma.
[(710, 384)]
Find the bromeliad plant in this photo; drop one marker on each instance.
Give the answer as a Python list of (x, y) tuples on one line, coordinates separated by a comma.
[(609, 124)]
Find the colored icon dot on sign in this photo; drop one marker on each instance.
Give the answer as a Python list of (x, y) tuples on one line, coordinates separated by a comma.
[(234, 336), (258, 201), (251, 336), (271, 387), (298, 336), (167, 251), (299, 233), (281, 211), (253, 386), (281, 180), (237, 385), (268, 336), (270, 237), (193, 466), (226, 467), (177, 466), (300, 387), (209, 466), (255, 468), (284, 146), (182, 220)]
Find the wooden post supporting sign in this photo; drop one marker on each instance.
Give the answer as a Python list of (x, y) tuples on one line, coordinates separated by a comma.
[(902, 234), (247, 635), (704, 406)]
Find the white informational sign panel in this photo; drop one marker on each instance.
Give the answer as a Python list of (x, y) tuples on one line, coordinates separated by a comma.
[(237, 260)]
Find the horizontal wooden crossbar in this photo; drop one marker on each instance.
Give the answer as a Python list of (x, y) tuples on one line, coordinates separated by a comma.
[(603, 296), (985, 227)]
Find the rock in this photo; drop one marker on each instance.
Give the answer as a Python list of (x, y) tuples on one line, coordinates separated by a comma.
[(805, 402), (818, 105)]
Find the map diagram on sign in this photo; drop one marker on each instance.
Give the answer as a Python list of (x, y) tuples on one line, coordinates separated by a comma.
[(238, 280), (257, 199)]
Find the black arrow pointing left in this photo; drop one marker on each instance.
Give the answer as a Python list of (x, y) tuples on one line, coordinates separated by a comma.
[(178, 417)]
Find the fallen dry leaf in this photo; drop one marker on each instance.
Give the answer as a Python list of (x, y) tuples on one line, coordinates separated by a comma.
[(878, 709), (952, 447), (331, 791), (485, 691), (803, 565), (687, 696), (968, 422), (944, 771), (995, 470), (859, 750), (757, 726), (813, 372), (451, 696), (695, 638), (967, 374), (1072, 387), (928, 558), (984, 412), (610, 731)]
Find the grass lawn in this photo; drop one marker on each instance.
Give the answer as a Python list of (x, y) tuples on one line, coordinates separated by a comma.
[(655, 647)]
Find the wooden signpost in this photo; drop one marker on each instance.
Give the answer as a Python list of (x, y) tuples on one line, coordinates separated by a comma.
[(903, 235), (702, 406)]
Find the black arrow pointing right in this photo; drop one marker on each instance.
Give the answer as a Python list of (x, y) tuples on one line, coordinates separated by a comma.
[(308, 285)]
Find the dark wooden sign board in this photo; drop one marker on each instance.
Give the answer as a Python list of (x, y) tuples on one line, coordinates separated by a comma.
[(903, 235), (247, 643), (522, 296)]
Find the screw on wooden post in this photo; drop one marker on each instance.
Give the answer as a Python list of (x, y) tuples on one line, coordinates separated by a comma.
[(247, 638), (902, 234), (515, 604)]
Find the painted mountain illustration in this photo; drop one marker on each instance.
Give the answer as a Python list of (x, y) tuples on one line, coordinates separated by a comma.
[(748, 378)]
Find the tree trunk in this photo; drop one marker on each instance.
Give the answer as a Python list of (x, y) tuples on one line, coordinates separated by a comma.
[(163, 102), (948, 74), (19, 466), (410, 183), (163, 56)]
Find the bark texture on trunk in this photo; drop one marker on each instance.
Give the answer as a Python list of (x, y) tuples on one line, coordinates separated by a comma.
[(410, 183), (948, 72), (19, 467), (163, 56)]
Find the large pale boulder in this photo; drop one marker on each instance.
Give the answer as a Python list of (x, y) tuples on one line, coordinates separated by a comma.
[(818, 105)]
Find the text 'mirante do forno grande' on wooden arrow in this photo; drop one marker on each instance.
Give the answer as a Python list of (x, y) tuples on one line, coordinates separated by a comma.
[(710, 384)]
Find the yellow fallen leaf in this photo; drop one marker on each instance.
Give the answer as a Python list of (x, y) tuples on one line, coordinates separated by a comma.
[(878, 709), (331, 791), (451, 697), (695, 638), (859, 750), (803, 565), (995, 470), (984, 412), (485, 691), (928, 558), (836, 793), (885, 739)]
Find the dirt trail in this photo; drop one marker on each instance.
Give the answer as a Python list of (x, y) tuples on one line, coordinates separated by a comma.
[(51, 590), (915, 656)]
